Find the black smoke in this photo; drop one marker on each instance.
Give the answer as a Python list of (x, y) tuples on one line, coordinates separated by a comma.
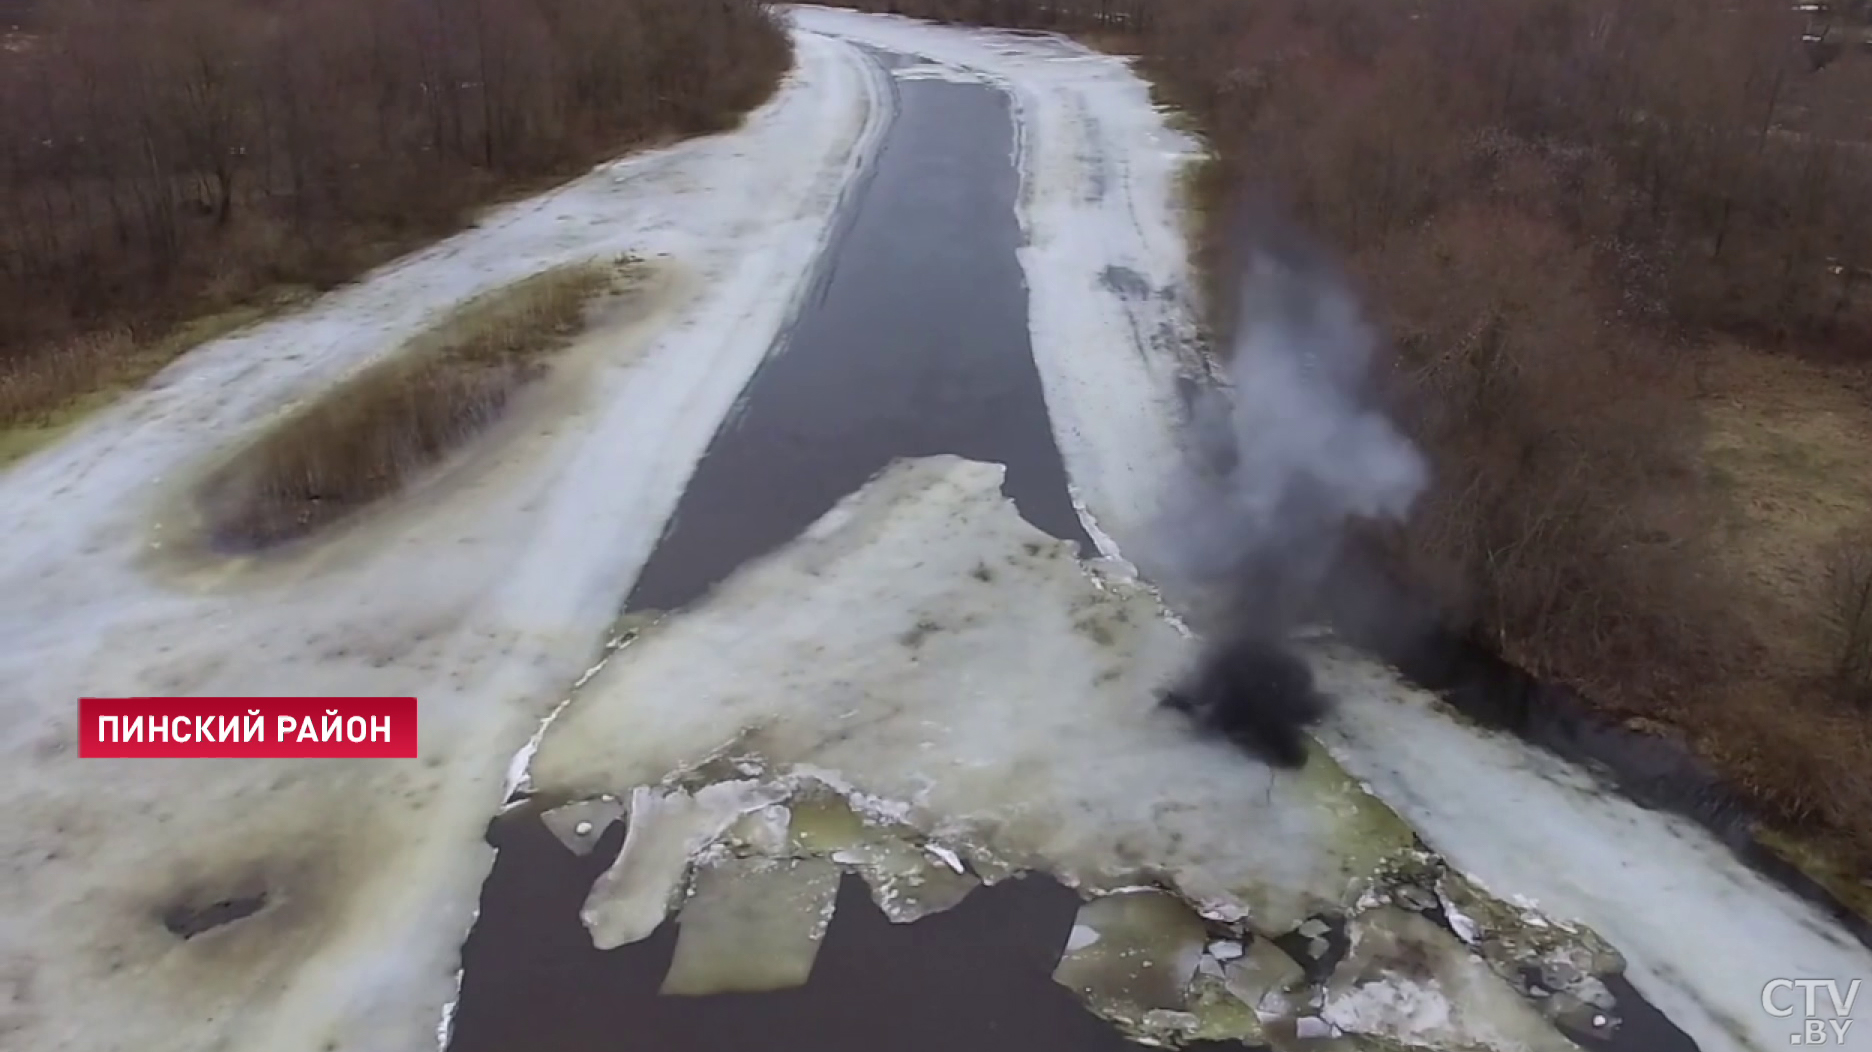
[(1282, 462)]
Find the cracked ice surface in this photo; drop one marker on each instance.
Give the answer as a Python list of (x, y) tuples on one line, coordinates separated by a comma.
[(1132, 953), (667, 830), (1701, 931), (931, 647), (765, 851), (1410, 981), (941, 663), (907, 883), (752, 924)]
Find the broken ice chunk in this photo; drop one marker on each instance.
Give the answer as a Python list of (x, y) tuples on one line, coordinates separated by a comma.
[(1164, 1028), (1409, 981), (579, 826), (1313, 1028), (906, 882), (751, 925), (667, 829), (946, 857), (1142, 954), (1263, 976), (823, 822), (762, 832), (1569, 959), (1220, 1015)]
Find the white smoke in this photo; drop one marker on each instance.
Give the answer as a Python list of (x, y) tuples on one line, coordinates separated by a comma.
[(1286, 458)]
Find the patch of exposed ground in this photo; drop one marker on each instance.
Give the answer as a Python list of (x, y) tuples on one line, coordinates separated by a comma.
[(1784, 456), (366, 438), (1785, 447)]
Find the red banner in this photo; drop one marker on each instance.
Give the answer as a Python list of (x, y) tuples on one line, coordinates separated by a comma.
[(251, 728)]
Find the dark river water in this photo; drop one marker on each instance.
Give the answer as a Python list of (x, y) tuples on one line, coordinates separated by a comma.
[(913, 342)]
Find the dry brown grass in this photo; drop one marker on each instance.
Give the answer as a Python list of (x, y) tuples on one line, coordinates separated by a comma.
[(34, 395), (1203, 188), (1113, 42), (1792, 501), (1848, 608), (365, 439), (1801, 757), (1784, 453), (44, 395), (1830, 864)]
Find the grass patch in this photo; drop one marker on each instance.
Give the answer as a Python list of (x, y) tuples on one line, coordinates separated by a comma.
[(365, 439), (1823, 865), (1781, 466), (1202, 186), (1112, 42), (42, 397), (1783, 452)]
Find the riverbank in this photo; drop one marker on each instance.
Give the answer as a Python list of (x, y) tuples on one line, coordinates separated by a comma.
[(1641, 382)]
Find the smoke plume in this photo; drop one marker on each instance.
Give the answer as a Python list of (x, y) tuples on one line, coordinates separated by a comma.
[(1281, 465), (1293, 452)]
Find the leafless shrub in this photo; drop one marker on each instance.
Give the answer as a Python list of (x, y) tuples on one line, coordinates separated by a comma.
[(1848, 608), (363, 440)]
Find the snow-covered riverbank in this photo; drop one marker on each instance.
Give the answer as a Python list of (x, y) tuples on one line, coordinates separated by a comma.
[(484, 596)]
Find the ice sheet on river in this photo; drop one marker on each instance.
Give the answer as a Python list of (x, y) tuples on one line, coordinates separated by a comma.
[(952, 669)]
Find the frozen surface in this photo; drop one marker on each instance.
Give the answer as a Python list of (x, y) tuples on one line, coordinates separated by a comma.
[(1263, 977), (1700, 932), (1015, 715), (1007, 716), (906, 882), (1131, 953), (484, 595), (752, 924), (666, 830), (579, 826), (1410, 981)]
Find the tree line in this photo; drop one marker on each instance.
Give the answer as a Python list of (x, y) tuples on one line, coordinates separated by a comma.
[(161, 160)]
